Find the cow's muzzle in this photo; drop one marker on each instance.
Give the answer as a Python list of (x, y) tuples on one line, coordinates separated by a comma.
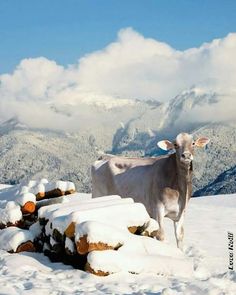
[(186, 157)]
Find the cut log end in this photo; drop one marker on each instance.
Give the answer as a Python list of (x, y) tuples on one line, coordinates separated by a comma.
[(84, 247), (132, 229), (70, 231), (40, 196), (99, 273), (26, 247), (29, 207)]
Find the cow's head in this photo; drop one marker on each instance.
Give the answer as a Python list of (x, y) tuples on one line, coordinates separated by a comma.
[(184, 145)]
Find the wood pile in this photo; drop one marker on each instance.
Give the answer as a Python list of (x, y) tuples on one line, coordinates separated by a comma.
[(101, 236), (21, 212)]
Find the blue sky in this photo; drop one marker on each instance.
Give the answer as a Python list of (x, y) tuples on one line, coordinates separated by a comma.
[(65, 30)]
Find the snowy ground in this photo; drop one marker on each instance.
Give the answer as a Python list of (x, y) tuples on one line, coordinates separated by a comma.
[(207, 222)]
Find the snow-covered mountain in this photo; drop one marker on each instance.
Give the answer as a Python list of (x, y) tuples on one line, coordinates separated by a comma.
[(130, 128), (33, 153), (225, 182)]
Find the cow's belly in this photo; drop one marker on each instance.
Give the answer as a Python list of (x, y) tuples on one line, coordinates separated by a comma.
[(138, 190), (138, 194)]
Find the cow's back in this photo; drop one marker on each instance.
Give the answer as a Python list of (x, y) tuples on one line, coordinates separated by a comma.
[(127, 177)]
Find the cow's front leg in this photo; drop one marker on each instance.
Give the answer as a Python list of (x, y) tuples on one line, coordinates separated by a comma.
[(160, 214), (179, 231)]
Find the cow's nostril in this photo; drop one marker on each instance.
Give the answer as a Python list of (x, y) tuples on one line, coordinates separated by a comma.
[(186, 156)]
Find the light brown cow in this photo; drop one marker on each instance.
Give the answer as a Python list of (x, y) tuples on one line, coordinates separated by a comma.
[(163, 184)]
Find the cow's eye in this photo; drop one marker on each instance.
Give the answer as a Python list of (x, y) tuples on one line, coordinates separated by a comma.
[(176, 145), (193, 143)]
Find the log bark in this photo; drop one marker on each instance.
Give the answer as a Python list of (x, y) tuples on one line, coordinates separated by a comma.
[(58, 237), (69, 192), (19, 224), (50, 194)]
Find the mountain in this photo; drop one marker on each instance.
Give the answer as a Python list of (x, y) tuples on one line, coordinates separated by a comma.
[(225, 182), (142, 132), (10, 125), (27, 154), (127, 128)]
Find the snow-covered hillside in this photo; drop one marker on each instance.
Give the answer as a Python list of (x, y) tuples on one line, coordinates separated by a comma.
[(31, 153), (208, 221)]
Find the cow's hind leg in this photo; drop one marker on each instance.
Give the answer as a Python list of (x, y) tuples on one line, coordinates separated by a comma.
[(160, 214), (179, 231)]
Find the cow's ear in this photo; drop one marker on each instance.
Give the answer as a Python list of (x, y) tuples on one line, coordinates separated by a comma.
[(165, 145), (202, 141)]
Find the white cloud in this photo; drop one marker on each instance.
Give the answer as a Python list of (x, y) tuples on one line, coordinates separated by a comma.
[(131, 67)]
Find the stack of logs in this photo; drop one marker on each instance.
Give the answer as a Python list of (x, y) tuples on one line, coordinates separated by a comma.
[(72, 228), (21, 212)]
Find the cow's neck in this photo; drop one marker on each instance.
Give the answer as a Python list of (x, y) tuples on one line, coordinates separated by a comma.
[(184, 178)]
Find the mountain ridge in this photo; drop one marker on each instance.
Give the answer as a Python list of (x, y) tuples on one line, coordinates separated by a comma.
[(132, 131)]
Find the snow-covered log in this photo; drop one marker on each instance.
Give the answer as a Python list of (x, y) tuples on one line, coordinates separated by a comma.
[(121, 215), (14, 239), (45, 189), (54, 210), (27, 201), (10, 215), (103, 263), (150, 229), (81, 197), (94, 235)]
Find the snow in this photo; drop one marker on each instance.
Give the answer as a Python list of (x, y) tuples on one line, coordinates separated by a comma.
[(151, 227), (101, 232), (111, 235), (208, 219), (12, 237), (121, 215), (3, 186), (26, 192), (77, 202), (35, 229), (69, 245), (26, 197), (43, 185), (65, 185), (115, 261), (11, 213), (64, 199)]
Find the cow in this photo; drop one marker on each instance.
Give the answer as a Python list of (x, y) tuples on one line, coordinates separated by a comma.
[(163, 184)]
